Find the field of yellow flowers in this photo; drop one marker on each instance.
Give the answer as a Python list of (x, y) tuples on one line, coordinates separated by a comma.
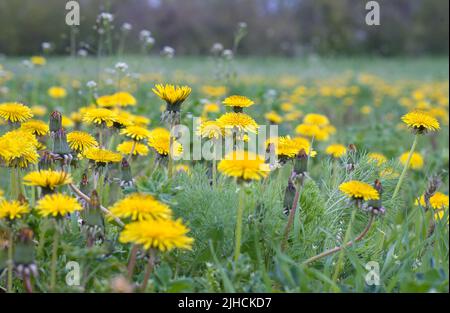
[(97, 194)]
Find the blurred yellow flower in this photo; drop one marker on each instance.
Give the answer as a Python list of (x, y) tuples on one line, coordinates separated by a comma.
[(416, 162), (379, 158), (56, 92), (12, 210), (38, 60), (336, 150)]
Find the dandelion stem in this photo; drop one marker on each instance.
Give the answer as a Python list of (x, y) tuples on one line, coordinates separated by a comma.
[(27, 283), (10, 261), (291, 216), (348, 244), (54, 259), (132, 262), (149, 270), (346, 238), (238, 231), (133, 147), (170, 163), (104, 210), (405, 168), (214, 171)]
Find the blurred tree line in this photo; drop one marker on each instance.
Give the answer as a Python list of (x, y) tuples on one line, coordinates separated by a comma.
[(275, 27)]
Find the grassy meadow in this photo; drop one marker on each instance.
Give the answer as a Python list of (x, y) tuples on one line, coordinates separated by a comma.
[(363, 100)]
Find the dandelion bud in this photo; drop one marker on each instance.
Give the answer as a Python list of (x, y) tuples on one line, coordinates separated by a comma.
[(45, 161), (301, 163), (55, 121), (289, 195), (350, 166), (60, 145), (127, 179), (376, 206), (24, 253)]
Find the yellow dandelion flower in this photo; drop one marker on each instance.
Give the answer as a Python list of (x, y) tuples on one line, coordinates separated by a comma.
[(66, 122), (307, 130), (182, 168), (123, 119), (57, 92), (238, 121), (18, 148), (105, 101), (287, 147), (57, 205), (138, 148), (48, 179), (287, 107), (137, 133), (304, 144), (159, 140), (379, 158), (99, 116), (210, 129), (238, 101), (366, 110), (12, 210), (15, 112), (336, 150), (316, 119), (123, 99), (244, 165), (38, 60), (273, 117), (389, 173), (293, 116), (102, 156), (420, 121), (437, 201), (211, 108), (214, 91), (137, 206), (163, 235), (173, 95), (358, 190), (36, 127), (416, 162), (141, 120), (79, 141), (38, 110)]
